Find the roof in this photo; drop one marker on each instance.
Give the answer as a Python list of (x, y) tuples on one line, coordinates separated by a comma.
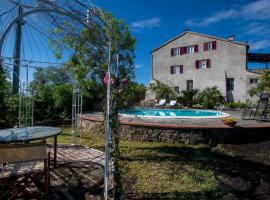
[(259, 57), (203, 35)]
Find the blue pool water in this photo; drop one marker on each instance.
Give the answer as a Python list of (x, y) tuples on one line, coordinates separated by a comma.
[(174, 113)]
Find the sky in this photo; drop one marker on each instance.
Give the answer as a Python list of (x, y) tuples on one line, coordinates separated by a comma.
[(153, 22)]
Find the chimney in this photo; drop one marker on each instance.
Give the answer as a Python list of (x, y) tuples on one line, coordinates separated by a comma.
[(231, 38)]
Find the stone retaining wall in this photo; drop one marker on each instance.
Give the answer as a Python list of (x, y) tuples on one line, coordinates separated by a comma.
[(210, 136)]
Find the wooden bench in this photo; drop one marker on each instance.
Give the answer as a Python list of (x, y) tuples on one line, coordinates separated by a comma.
[(29, 161)]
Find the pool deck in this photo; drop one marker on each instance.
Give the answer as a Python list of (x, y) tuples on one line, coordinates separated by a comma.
[(183, 123)]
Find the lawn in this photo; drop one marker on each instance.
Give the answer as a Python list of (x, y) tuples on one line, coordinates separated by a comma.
[(174, 171)]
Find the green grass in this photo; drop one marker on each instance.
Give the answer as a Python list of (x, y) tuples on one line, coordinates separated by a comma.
[(160, 170)]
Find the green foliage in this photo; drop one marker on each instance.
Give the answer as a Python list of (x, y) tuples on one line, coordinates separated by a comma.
[(162, 91), (236, 105), (11, 111), (90, 57), (130, 95), (263, 84), (188, 97), (210, 97)]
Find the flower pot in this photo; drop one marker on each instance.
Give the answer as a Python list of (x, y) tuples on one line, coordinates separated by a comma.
[(232, 123)]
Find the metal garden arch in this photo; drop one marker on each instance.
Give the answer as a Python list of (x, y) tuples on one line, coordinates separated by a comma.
[(47, 7)]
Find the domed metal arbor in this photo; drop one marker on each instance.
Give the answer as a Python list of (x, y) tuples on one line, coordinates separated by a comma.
[(82, 12)]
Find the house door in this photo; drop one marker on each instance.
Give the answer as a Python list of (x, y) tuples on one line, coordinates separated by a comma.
[(189, 85)]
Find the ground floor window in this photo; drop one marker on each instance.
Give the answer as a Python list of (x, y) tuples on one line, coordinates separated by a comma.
[(253, 80), (176, 88), (189, 85), (230, 84)]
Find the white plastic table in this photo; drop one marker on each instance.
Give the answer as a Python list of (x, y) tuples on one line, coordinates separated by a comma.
[(28, 134)]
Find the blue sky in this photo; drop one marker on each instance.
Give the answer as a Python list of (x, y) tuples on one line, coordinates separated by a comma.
[(153, 22)]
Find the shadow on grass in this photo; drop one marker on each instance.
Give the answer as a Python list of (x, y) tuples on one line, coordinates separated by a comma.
[(242, 178)]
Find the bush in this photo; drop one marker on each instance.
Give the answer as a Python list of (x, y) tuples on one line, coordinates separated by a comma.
[(263, 84), (162, 91), (210, 97), (236, 105), (188, 97), (131, 94)]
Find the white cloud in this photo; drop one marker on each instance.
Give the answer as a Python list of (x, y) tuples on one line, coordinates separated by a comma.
[(259, 45), (148, 23), (138, 66), (257, 29), (258, 10)]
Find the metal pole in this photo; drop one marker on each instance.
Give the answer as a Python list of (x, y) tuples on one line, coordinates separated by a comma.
[(33, 106), (81, 117), (73, 113), (108, 131), (26, 99), (17, 52)]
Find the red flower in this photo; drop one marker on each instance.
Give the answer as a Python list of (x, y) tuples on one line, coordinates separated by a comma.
[(124, 81), (106, 80)]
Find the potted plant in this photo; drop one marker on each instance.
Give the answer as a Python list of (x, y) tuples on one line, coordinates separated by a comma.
[(229, 121)]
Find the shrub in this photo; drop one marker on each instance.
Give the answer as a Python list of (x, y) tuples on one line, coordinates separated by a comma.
[(210, 97), (188, 97), (263, 84), (236, 105), (162, 91)]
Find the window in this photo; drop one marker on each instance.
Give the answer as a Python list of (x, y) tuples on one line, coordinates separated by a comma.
[(208, 46), (202, 64), (230, 84), (253, 80), (189, 85), (178, 69), (175, 51), (176, 88), (190, 49)]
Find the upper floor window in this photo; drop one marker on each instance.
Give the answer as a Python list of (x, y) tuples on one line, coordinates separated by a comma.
[(178, 69), (202, 64), (184, 50), (208, 46), (253, 80), (175, 51), (190, 49)]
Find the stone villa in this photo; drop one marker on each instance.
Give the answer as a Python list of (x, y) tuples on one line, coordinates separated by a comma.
[(194, 60)]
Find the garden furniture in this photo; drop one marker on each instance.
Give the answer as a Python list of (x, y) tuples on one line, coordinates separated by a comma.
[(30, 134), (260, 110), (22, 165), (161, 103), (172, 104)]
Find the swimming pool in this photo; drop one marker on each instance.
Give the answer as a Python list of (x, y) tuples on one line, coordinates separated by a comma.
[(173, 113)]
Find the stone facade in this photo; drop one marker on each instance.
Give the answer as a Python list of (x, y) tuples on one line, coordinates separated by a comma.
[(227, 60)]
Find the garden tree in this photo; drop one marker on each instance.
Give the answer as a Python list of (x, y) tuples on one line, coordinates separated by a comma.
[(3, 91), (53, 93), (2, 87), (210, 97), (90, 61), (90, 57), (263, 84), (51, 76), (188, 97), (162, 91), (131, 95)]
